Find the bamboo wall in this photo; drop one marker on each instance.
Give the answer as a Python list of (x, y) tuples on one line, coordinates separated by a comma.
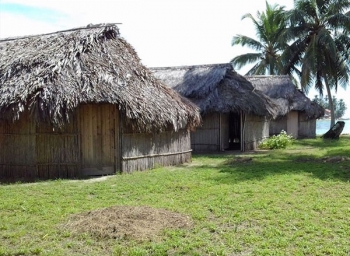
[(206, 138), (85, 146), (30, 151), (91, 144), (307, 127), (141, 151), (256, 129), (57, 151), (302, 127), (276, 126), (17, 151)]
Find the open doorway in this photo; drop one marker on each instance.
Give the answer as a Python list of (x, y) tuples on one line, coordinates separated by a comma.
[(234, 131)]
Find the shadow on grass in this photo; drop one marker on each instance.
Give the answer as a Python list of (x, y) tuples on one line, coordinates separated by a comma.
[(215, 155), (322, 143), (261, 170), (332, 161)]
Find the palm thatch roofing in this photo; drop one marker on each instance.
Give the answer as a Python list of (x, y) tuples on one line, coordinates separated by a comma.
[(51, 74), (282, 89), (217, 88)]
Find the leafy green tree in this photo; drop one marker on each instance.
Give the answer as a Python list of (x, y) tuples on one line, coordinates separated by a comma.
[(339, 105), (317, 46), (270, 31), (340, 109), (321, 101)]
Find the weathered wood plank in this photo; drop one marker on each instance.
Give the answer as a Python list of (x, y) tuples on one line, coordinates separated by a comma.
[(97, 138)]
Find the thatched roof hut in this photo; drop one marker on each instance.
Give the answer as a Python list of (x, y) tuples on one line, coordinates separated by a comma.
[(222, 94), (217, 88), (79, 102), (51, 74), (288, 96), (292, 102)]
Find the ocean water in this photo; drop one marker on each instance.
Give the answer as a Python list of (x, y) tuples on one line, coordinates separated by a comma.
[(323, 125)]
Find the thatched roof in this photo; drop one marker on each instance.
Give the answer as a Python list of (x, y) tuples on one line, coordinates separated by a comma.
[(282, 89), (217, 88), (52, 74)]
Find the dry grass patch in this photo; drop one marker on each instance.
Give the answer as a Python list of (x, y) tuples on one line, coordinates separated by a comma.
[(127, 222)]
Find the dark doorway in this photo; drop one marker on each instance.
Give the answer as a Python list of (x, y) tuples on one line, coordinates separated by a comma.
[(234, 131)]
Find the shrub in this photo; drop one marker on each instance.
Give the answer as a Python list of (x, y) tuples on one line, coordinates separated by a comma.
[(281, 140)]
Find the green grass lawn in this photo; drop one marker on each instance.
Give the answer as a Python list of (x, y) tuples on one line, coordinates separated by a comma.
[(294, 201)]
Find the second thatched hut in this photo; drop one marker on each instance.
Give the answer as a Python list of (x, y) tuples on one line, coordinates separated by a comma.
[(235, 114)]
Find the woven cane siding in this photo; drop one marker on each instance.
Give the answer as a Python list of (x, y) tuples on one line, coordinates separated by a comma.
[(307, 127), (276, 126), (142, 151), (31, 151), (17, 149), (99, 134), (57, 151), (207, 136), (256, 129), (85, 146)]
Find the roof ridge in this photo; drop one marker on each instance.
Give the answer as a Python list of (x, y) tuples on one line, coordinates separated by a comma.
[(192, 66), (89, 26), (267, 76)]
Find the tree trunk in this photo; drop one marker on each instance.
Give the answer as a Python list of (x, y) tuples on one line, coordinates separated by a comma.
[(335, 131), (330, 99)]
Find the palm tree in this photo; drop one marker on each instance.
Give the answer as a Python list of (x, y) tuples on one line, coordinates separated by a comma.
[(270, 27), (317, 47)]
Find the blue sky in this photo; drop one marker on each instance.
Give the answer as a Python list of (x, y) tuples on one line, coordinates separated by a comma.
[(163, 32), (32, 12)]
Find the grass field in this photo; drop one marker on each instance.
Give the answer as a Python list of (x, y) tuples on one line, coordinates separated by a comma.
[(282, 202)]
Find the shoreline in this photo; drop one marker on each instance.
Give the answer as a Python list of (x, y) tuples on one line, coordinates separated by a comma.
[(340, 119), (323, 125)]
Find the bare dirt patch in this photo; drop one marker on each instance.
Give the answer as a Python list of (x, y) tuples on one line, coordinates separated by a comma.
[(127, 222)]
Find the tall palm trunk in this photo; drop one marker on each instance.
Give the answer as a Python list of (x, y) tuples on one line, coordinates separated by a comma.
[(330, 99)]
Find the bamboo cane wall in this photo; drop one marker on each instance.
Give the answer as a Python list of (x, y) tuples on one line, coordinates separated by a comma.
[(57, 151), (256, 129), (91, 144), (17, 151), (206, 138), (307, 127), (276, 126), (142, 151), (30, 151), (85, 146)]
